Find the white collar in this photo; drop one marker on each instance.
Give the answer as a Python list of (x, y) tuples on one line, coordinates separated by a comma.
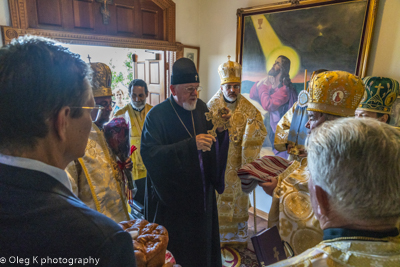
[(35, 165), (135, 108)]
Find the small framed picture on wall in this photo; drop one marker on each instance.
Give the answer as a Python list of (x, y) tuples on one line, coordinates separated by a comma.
[(192, 53)]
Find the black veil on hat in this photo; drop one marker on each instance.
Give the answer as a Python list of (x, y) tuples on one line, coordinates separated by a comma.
[(184, 71)]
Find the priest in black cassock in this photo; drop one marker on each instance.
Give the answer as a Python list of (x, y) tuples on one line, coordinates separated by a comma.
[(185, 166)]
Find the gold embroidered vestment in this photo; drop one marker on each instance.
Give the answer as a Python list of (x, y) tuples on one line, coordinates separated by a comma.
[(247, 133), (358, 252), (291, 209), (96, 179), (282, 129)]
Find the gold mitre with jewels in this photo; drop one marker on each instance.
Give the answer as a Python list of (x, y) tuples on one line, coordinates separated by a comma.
[(335, 92), (380, 94), (230, 72), (101, 80)]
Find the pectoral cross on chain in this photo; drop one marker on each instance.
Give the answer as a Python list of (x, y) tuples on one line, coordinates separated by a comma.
[(276, 254), (196, 77)]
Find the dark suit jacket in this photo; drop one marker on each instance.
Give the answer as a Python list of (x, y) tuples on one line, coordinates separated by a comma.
[(40, 217)]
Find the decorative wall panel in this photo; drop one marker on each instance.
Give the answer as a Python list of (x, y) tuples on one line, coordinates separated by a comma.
[(136, 19), (154, 73), (141, 71), (49, 12), (83, 15), (125, 19)]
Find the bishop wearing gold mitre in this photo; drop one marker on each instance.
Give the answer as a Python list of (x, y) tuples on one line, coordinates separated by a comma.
[(247, 133), (96, 178), (332, 95)]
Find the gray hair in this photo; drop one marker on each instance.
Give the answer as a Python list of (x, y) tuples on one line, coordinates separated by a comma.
[(357, 162)]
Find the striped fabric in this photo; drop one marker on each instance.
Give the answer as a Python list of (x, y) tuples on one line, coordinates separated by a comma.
[(261, 170)]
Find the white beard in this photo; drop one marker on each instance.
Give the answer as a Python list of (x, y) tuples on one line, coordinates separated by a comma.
[(229, 98), (189, 107), (137, 107)]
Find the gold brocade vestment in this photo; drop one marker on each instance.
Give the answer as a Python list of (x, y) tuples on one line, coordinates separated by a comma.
[(340, 252), (136, 120), (247, 133), (291, 209), (282, 129), (96, 179)]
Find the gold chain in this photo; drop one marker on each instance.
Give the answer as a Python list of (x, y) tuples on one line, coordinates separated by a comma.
[(191, 112)]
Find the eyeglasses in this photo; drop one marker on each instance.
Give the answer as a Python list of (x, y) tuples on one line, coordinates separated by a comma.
[(191, 89), (229, 86), (95, 110), (105, 104)]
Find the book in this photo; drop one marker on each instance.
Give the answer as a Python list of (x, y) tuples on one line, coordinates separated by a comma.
[(137, 209), (137, 215), (137, 206), (268, 246)]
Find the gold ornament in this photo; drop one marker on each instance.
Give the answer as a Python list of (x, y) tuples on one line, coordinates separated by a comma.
[(335, 92), (217, 120), (230, 72), (101, 80)]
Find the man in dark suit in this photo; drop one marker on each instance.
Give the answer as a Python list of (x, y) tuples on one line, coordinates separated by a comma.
[(45, 119)]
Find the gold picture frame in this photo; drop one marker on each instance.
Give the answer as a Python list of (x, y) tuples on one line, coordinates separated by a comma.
[(288, 38), (294, 6)]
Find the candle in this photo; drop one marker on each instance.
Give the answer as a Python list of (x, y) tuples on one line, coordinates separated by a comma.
[(305, 80)]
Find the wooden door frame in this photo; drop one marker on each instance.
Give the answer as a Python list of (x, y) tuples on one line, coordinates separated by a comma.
[(19, 22), (19, 27)]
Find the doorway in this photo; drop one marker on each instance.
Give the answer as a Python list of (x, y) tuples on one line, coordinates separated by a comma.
[(128, 64)]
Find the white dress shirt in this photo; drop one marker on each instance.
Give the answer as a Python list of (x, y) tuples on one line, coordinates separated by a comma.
[(35, 165)]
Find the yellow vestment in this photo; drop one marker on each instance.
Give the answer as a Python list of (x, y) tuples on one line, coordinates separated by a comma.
[(136, 120), (341, 252), (96, 179), (291, 209), (247, 133), (282, 129)]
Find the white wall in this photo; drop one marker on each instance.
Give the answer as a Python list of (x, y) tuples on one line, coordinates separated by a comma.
[(218, 38), (384, 59), (4, 16), (187, 22)]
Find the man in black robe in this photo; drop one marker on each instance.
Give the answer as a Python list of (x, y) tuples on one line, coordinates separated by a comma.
[(185, 166)]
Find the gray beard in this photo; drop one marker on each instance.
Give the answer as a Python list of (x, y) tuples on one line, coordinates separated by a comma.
[(137, 107), (231, 99), (190, 106)]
